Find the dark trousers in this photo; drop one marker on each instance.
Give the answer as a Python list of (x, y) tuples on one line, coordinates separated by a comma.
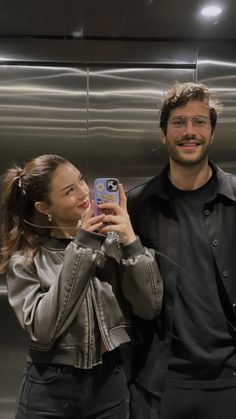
[(142, 404), (184, 404), (56, 391)]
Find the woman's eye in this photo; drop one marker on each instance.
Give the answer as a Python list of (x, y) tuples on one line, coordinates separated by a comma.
[(69, 191)]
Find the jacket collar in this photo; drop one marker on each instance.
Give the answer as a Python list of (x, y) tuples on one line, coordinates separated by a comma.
[(225, 184), (56, 244)]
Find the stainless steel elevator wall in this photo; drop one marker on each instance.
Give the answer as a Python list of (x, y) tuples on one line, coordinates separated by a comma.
[(101, 114)]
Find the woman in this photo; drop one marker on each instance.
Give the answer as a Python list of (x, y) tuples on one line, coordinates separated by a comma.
[(63, 282)]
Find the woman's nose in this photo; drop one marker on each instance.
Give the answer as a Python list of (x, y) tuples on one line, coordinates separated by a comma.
[(82, 191)]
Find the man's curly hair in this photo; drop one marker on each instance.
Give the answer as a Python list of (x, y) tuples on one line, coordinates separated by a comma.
[(181, 93)]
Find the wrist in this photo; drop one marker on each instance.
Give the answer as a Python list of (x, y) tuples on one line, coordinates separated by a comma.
[(129, 240)]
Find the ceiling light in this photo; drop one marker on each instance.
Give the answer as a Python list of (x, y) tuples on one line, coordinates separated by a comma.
[(210, 11)]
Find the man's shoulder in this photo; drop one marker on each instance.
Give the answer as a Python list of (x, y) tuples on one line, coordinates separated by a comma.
[(223, 172), (143, 189), (226, 183)]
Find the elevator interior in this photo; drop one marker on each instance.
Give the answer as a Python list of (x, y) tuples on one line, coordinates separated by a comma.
[(90, 89)]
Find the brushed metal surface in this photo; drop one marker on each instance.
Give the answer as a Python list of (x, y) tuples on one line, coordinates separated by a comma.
[(103, 115), (46, 51), (43, 109), (123, 117), (103, 120), (12, 355), (217, 68)]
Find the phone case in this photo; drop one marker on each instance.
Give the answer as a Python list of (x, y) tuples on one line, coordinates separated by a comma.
[(106, 190)]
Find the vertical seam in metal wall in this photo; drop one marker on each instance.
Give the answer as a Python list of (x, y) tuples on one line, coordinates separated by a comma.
[(87, 124), (196, 73)]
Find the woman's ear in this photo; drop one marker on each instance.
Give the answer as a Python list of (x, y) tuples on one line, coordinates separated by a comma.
[(41, 207)]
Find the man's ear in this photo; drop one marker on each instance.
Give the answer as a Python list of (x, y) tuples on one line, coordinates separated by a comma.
[(163, 137), (41, 207)]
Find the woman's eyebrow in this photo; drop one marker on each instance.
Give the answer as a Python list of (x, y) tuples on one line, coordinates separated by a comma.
[(66, 187)]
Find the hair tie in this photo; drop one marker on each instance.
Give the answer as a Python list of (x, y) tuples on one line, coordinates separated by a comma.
[(20, 174)]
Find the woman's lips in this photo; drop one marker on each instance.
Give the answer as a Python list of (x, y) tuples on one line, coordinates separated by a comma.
[(85, 204)]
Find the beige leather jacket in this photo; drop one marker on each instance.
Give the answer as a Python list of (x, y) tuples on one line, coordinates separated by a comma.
[(70, 302)]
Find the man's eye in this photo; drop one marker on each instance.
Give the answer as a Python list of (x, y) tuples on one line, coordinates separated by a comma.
[(200, 121), (177, 123)]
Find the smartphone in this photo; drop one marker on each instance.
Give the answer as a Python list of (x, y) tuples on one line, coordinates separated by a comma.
[(105, 190)]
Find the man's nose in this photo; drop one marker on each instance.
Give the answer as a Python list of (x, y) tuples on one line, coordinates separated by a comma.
[(189, 128)]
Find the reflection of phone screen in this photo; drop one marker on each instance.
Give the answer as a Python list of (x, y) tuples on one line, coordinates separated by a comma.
[(105, 190)]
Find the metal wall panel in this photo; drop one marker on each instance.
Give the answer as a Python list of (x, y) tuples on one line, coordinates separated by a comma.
[(95, 51), (217, 68), (12, 356), (104, 117), (109, 129), (123, 118), (43, 109)]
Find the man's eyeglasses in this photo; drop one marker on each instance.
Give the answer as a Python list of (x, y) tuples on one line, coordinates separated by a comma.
[(199, 122)]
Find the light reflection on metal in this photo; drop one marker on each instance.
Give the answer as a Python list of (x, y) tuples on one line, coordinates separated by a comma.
[(28, 89), (211, 11), (226, 64), (3, 289), (59, 69)]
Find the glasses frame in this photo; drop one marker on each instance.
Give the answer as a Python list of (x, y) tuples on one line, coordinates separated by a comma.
[(199, 122)]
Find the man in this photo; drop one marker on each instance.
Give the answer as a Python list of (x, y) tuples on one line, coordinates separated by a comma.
[(185, 362)]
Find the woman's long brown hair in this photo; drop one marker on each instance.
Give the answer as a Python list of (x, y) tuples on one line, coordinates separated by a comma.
[(21, 187)]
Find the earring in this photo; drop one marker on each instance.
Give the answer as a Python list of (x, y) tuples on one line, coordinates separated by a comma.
[(50, 218)]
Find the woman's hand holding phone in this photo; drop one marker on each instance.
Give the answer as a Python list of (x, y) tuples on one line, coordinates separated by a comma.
[(118, 220), (89, 222)]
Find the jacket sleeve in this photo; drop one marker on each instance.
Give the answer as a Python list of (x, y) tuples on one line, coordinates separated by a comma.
[(46, 312), (141, 280)]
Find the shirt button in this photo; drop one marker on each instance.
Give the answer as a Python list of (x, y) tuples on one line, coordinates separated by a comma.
[(225, 274), (207, 212), (234, 306), (215, 243)]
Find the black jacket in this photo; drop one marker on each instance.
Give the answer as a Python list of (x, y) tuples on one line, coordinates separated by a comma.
[(156, 223)]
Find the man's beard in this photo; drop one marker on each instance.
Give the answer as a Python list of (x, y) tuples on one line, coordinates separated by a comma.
[(177, 157)]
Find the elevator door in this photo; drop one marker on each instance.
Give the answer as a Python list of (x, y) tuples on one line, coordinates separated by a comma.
[(105, 120)]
